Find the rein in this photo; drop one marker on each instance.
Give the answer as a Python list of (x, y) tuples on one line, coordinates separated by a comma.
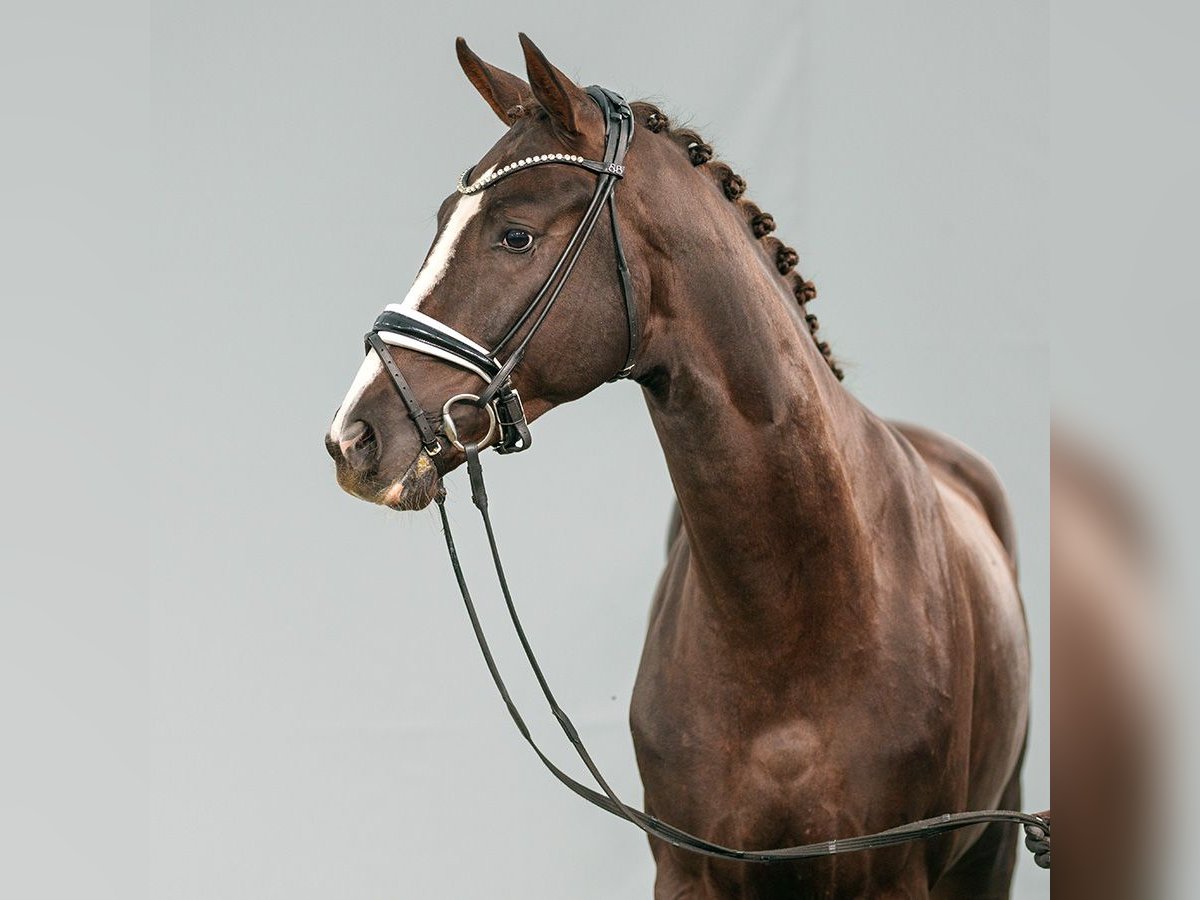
[(403, 327), (1037, 827)]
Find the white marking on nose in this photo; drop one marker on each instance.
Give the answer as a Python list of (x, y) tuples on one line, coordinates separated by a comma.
[(443, 250), (367, 372), (427, 279)]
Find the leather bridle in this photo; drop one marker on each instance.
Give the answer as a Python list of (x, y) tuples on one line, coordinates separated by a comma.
[(404, 327), (400, 326)]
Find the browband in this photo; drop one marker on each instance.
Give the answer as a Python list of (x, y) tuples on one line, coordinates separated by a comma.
[(567, 159)]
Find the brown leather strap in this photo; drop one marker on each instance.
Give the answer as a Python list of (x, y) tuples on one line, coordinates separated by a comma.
[(429, 439)]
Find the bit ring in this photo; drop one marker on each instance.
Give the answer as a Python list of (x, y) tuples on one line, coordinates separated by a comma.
[(452, 430)]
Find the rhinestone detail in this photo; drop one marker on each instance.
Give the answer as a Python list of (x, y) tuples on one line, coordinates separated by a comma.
[(487, 180)]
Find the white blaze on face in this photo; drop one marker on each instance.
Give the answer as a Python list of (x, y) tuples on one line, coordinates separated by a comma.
[(438, 261), (436, 265)]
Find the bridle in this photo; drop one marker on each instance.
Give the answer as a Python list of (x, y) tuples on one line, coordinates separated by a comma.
[(403, 327), (400, 326)]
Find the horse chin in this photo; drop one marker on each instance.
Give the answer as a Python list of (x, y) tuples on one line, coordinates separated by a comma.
[(416, 488)]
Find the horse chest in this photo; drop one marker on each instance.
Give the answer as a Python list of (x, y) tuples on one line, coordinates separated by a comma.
[(720, 752)]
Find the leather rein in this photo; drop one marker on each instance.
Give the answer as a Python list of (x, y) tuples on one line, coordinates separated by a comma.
[(405, 327)]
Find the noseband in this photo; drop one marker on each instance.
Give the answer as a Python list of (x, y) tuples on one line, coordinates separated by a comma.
[(402, 327)]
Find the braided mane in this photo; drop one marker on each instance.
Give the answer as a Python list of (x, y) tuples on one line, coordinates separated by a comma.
[(761, 223)]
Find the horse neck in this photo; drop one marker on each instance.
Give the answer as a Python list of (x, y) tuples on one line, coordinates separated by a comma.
[(764, 446)]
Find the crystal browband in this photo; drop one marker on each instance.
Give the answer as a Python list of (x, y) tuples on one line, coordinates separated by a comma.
[(569, 159)]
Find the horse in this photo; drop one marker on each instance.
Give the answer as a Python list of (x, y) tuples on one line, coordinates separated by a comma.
[(837, 643)]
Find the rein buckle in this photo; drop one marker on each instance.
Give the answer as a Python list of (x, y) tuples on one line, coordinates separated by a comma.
[(510, 408), (514, 428)]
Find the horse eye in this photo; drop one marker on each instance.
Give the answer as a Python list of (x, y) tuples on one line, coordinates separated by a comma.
[(517, 240)]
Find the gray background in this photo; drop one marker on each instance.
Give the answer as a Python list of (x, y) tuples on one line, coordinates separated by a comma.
[(301, 710)]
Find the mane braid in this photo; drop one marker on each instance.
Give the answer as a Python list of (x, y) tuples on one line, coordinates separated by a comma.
[(761, 224)]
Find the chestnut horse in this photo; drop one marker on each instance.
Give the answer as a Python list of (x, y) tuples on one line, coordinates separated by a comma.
[(837, 645)]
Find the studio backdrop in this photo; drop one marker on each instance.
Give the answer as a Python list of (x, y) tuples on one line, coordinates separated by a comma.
[(320, 722)]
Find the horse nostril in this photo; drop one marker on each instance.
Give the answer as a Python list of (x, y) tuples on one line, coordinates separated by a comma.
[(358, 444), (351, 435)]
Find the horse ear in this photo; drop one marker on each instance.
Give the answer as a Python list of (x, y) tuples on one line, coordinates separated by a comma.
[(502, 90), (568, 104)]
